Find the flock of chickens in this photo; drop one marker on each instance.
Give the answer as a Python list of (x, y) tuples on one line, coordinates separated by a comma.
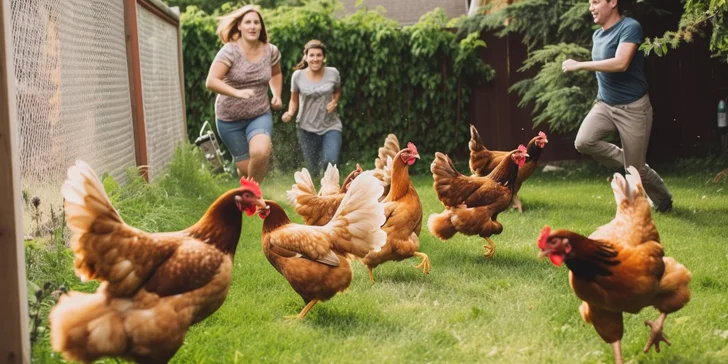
[(156, 285)]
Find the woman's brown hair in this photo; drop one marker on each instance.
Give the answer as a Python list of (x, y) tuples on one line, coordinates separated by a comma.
[(227, 28), (313, 43)]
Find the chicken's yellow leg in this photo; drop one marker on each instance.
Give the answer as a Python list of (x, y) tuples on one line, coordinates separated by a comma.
[(516, 204), (425, 265), (305, 310), (371, 274), (617, 347), (656, 335), (489, 250)]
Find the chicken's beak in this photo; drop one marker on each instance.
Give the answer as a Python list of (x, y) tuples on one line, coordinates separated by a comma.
[(417, 155), (263, 208), (543, 254)]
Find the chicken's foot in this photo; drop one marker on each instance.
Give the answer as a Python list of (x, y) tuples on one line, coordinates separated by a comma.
[(489, 250), (305, 310), (656, 335), (617, 348), (516, 204), (425, 264)]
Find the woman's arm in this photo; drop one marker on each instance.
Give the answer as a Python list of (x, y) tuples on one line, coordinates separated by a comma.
[(331, 106), (276, 85), (620, 62), (215, 82), (292, 107)]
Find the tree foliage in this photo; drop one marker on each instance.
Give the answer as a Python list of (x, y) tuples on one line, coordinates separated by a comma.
[(700, 17), (412, 81)]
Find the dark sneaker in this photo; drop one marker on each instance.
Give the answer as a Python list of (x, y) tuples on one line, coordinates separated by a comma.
[(665, 205)]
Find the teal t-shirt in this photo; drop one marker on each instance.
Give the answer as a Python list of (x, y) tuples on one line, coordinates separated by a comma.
[(616, 88)]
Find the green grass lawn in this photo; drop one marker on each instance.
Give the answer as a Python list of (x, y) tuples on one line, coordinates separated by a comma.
[(511, 309)]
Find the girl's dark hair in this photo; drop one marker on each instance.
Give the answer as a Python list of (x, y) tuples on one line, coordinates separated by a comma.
[(314, 43)]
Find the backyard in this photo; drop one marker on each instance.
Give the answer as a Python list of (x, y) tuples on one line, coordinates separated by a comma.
[(513, 308)]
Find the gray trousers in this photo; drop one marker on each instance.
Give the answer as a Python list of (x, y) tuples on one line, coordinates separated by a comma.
[(633, 122)]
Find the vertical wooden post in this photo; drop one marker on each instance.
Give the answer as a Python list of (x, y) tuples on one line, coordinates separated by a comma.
[(180, 58), (135, 86), (14, 339)]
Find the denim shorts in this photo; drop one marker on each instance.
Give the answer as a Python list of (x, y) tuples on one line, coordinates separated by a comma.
[(237, 134)]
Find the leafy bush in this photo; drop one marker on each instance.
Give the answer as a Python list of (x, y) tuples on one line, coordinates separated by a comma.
[(412, 81)]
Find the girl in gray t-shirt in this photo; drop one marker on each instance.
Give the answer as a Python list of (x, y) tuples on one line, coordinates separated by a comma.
[(317, 89)]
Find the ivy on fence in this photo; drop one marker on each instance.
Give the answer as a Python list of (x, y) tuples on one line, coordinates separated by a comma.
[(413, 81)]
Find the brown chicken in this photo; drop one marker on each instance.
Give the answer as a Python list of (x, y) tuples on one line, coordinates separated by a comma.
[(383, 163), (621, 267), (153, 285), (313, 259), (473, 203), (318, 209), (483, 161), (403, 212)]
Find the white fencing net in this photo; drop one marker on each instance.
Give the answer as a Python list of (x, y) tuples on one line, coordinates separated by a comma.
[(73, 99), (161, 89)]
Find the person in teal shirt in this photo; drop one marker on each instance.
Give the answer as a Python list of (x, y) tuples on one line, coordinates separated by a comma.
[(622, 104)]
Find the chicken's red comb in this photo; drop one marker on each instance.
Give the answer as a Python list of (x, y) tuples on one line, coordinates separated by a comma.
[(412, 147), (250, 184), (542, 134), (522, 148), (544, 237)]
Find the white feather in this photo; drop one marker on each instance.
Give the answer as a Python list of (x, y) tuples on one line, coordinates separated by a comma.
[(330, 181), (362, 214), (303, 186)]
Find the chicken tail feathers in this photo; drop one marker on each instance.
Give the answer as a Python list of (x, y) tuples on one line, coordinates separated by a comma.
[(389, 149), (446, 178), (89, 214), (303, 187), (86, 204), (475, 143), (441, 226), (629, 187), (83, 327), (442, 167), (330, 181), (359, 218), (385, 160)]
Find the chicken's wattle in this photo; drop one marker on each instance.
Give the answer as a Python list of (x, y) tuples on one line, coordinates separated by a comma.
[(556, 259)]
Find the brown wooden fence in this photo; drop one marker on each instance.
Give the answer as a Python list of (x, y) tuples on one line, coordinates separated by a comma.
[(685, 87)]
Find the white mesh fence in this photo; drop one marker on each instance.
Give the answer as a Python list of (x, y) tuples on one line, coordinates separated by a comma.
[(73, 98), (163, 111), (72, 92)]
